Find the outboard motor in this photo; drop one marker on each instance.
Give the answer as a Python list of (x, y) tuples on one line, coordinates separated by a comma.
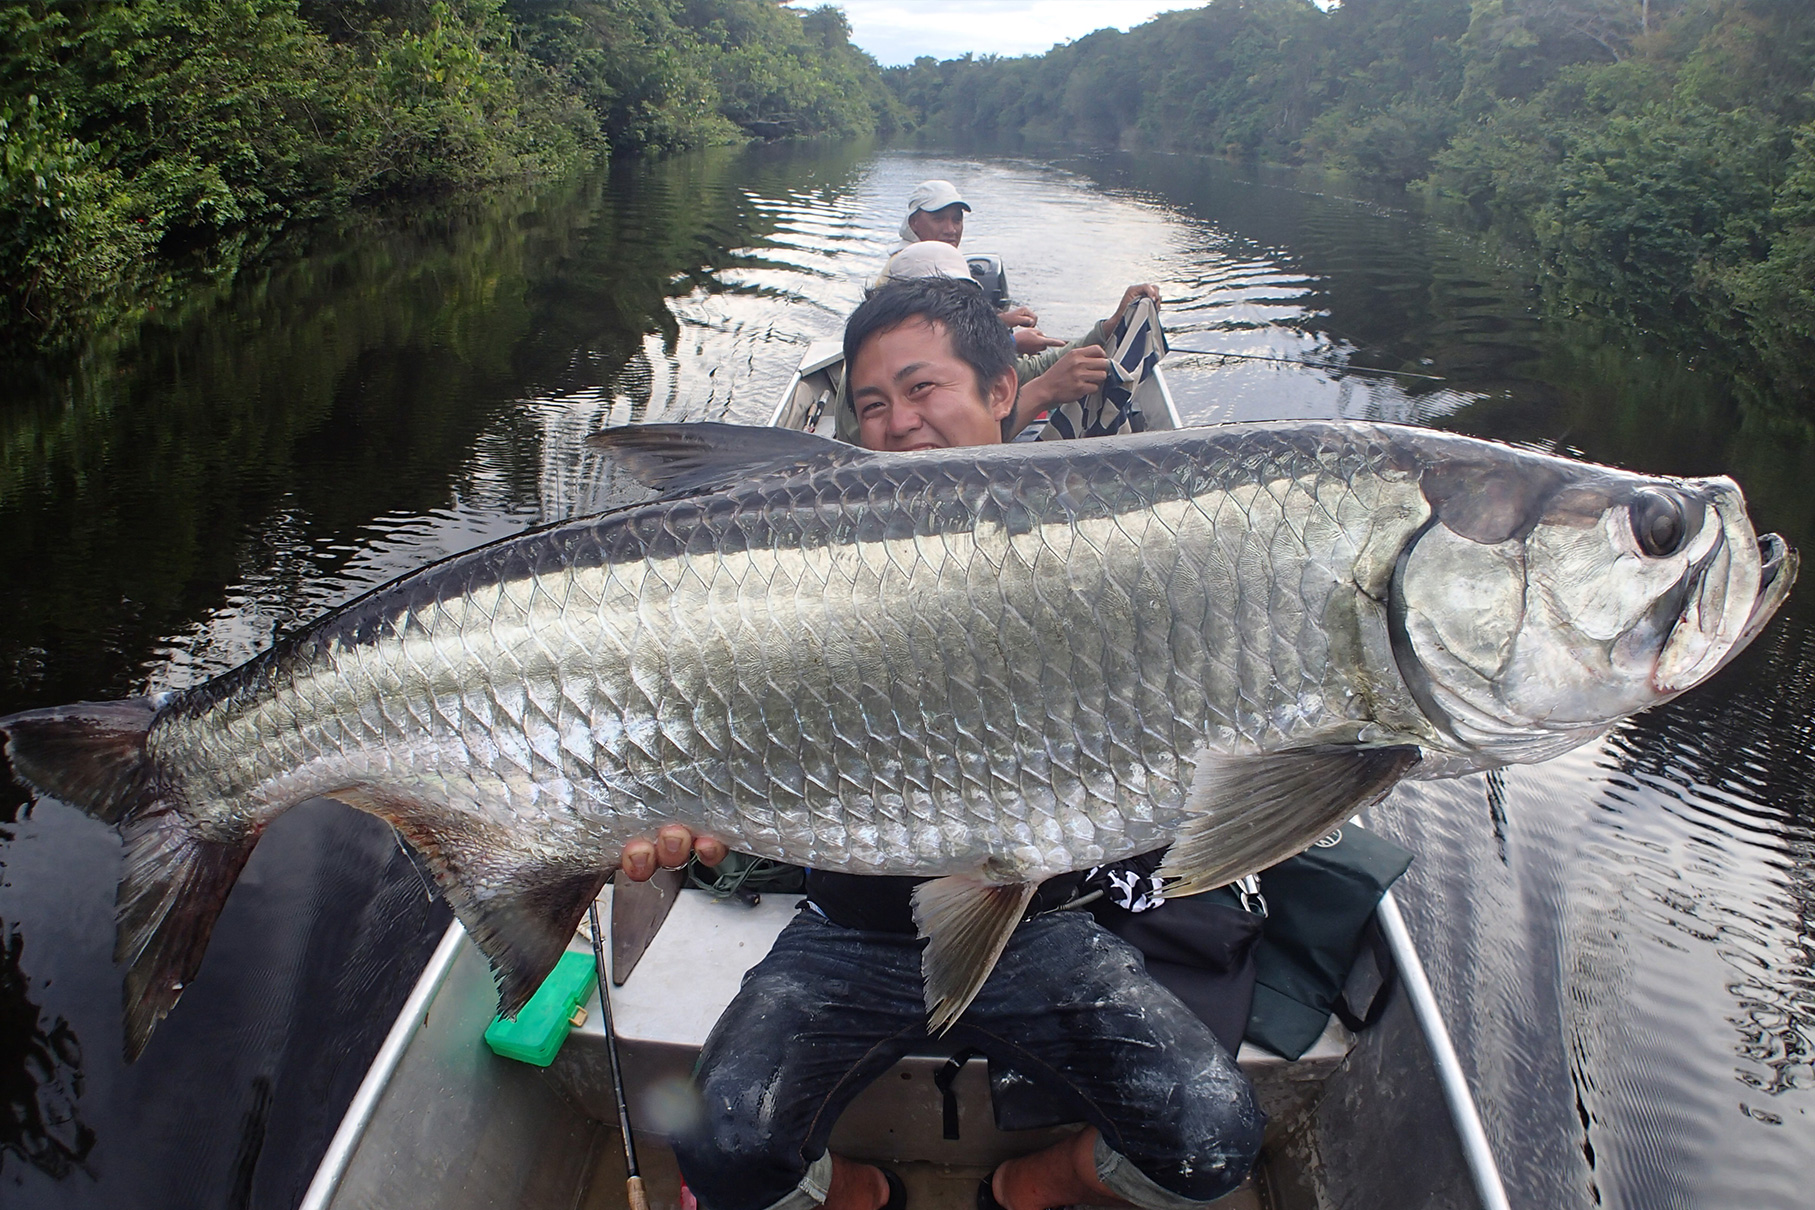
[(987, 269)]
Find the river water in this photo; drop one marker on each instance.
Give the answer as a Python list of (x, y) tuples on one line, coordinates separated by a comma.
[(1621, 937)]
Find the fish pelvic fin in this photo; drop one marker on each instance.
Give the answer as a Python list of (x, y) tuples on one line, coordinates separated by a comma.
[(1254, 811), (966, 920), (90, 755), (177, 872), (521, 914), (703, 456)]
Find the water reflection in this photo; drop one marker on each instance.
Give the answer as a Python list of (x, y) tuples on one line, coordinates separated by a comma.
[(1622, 935), (40, 1075)]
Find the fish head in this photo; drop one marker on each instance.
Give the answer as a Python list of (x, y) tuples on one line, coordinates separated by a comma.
[(1545, 600)]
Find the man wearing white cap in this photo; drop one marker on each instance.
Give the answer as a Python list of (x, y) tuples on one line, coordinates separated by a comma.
[(936, 214)]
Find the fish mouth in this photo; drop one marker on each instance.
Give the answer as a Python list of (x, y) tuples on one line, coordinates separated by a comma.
[(1730, 597), (1778, 565)]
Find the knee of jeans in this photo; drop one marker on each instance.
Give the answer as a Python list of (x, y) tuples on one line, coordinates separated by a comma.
[(1212, 1143), (738, 1151)]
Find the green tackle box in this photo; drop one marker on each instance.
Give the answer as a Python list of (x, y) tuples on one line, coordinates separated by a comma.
[(542, 1025)]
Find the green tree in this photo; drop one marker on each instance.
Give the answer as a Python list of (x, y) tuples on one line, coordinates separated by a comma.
[(203, 126)]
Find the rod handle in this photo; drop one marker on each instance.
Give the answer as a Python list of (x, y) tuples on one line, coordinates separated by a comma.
[(633, 1188)]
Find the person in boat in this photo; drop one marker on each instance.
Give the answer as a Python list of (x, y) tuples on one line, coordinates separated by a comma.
[(936, 215), (1048, 379), (1172, 1122)]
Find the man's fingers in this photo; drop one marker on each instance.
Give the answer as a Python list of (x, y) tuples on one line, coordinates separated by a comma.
[(673, 842), (638, 860), (642, 857)]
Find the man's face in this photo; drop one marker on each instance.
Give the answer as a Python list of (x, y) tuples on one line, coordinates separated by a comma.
[(946, 226), (912, 392)]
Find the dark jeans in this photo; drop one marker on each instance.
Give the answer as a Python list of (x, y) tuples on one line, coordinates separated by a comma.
[(1069, 1006)]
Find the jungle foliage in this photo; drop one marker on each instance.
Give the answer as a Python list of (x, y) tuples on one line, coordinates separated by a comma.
[(1659, 155), (140, 135)]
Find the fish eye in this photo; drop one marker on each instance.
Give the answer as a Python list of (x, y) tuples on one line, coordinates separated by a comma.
[(1657, 523)]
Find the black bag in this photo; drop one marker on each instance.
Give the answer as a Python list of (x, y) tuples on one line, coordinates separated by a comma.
[(1272, 968), (1201, 949), (1320, 912)]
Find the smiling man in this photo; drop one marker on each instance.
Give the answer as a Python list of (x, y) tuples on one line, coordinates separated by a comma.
[(929, 367), (1170, 1122)]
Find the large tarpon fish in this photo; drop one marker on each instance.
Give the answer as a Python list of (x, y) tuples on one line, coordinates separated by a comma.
[(986, 665)]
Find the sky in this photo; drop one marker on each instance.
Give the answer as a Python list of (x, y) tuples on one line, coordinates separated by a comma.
[(896, 31)]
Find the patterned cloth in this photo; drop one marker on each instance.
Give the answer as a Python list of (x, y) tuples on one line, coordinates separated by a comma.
[(1140, 342), (1132, 884)]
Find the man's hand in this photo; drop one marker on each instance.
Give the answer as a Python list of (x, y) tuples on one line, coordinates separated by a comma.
[(642, 856), (1144, 290), (1032, 340), (1019, 317), (1075, 375)]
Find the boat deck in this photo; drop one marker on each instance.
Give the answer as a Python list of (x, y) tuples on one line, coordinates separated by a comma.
[(451, 1125)]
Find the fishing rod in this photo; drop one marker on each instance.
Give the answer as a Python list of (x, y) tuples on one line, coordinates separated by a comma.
[(1321, 365), (633, 1183)]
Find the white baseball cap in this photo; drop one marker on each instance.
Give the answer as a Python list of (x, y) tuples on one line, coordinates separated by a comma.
[(928, 258), (930, 195), (935, 195)]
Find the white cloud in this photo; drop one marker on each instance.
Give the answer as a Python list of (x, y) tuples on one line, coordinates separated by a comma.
[(898, 31)]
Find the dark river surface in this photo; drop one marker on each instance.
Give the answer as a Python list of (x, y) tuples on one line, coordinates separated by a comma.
[(1621, 937)]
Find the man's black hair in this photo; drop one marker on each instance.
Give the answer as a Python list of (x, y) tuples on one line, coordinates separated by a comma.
[(979, 337)]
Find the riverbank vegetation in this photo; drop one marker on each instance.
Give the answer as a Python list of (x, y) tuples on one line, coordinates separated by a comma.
[(1659, 155), (144, 141)]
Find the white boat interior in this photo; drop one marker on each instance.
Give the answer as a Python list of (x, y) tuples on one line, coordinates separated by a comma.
[(1360, 1122)]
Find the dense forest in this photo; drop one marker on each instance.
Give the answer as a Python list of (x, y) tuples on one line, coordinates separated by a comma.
[(144, 140), (1658, 154)]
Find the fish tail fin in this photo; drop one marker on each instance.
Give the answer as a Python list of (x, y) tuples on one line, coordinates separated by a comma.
[(92, 755)]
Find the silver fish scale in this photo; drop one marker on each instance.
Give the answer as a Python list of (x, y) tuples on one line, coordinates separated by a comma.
[(894, 665)]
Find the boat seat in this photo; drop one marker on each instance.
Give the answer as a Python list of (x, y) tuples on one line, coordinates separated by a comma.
[(694, 966)]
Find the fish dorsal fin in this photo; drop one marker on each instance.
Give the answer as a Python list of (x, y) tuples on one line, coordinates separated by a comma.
[(683, 459), (1253, 811), (520, 913), (966, 919)]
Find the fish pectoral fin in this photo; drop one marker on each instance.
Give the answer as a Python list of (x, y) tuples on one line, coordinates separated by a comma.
[(966, 919), (1253, 811), (521, 913), (703, 456)]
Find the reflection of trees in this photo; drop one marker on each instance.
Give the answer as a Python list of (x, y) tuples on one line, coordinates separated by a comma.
[(40, 1076), (1398, 291), (338, 388), (1750, 736)]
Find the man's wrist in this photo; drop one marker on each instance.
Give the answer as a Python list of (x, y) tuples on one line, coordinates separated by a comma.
[(1033, 399)]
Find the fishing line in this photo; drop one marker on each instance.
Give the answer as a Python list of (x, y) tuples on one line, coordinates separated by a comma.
[(1317, 365)]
